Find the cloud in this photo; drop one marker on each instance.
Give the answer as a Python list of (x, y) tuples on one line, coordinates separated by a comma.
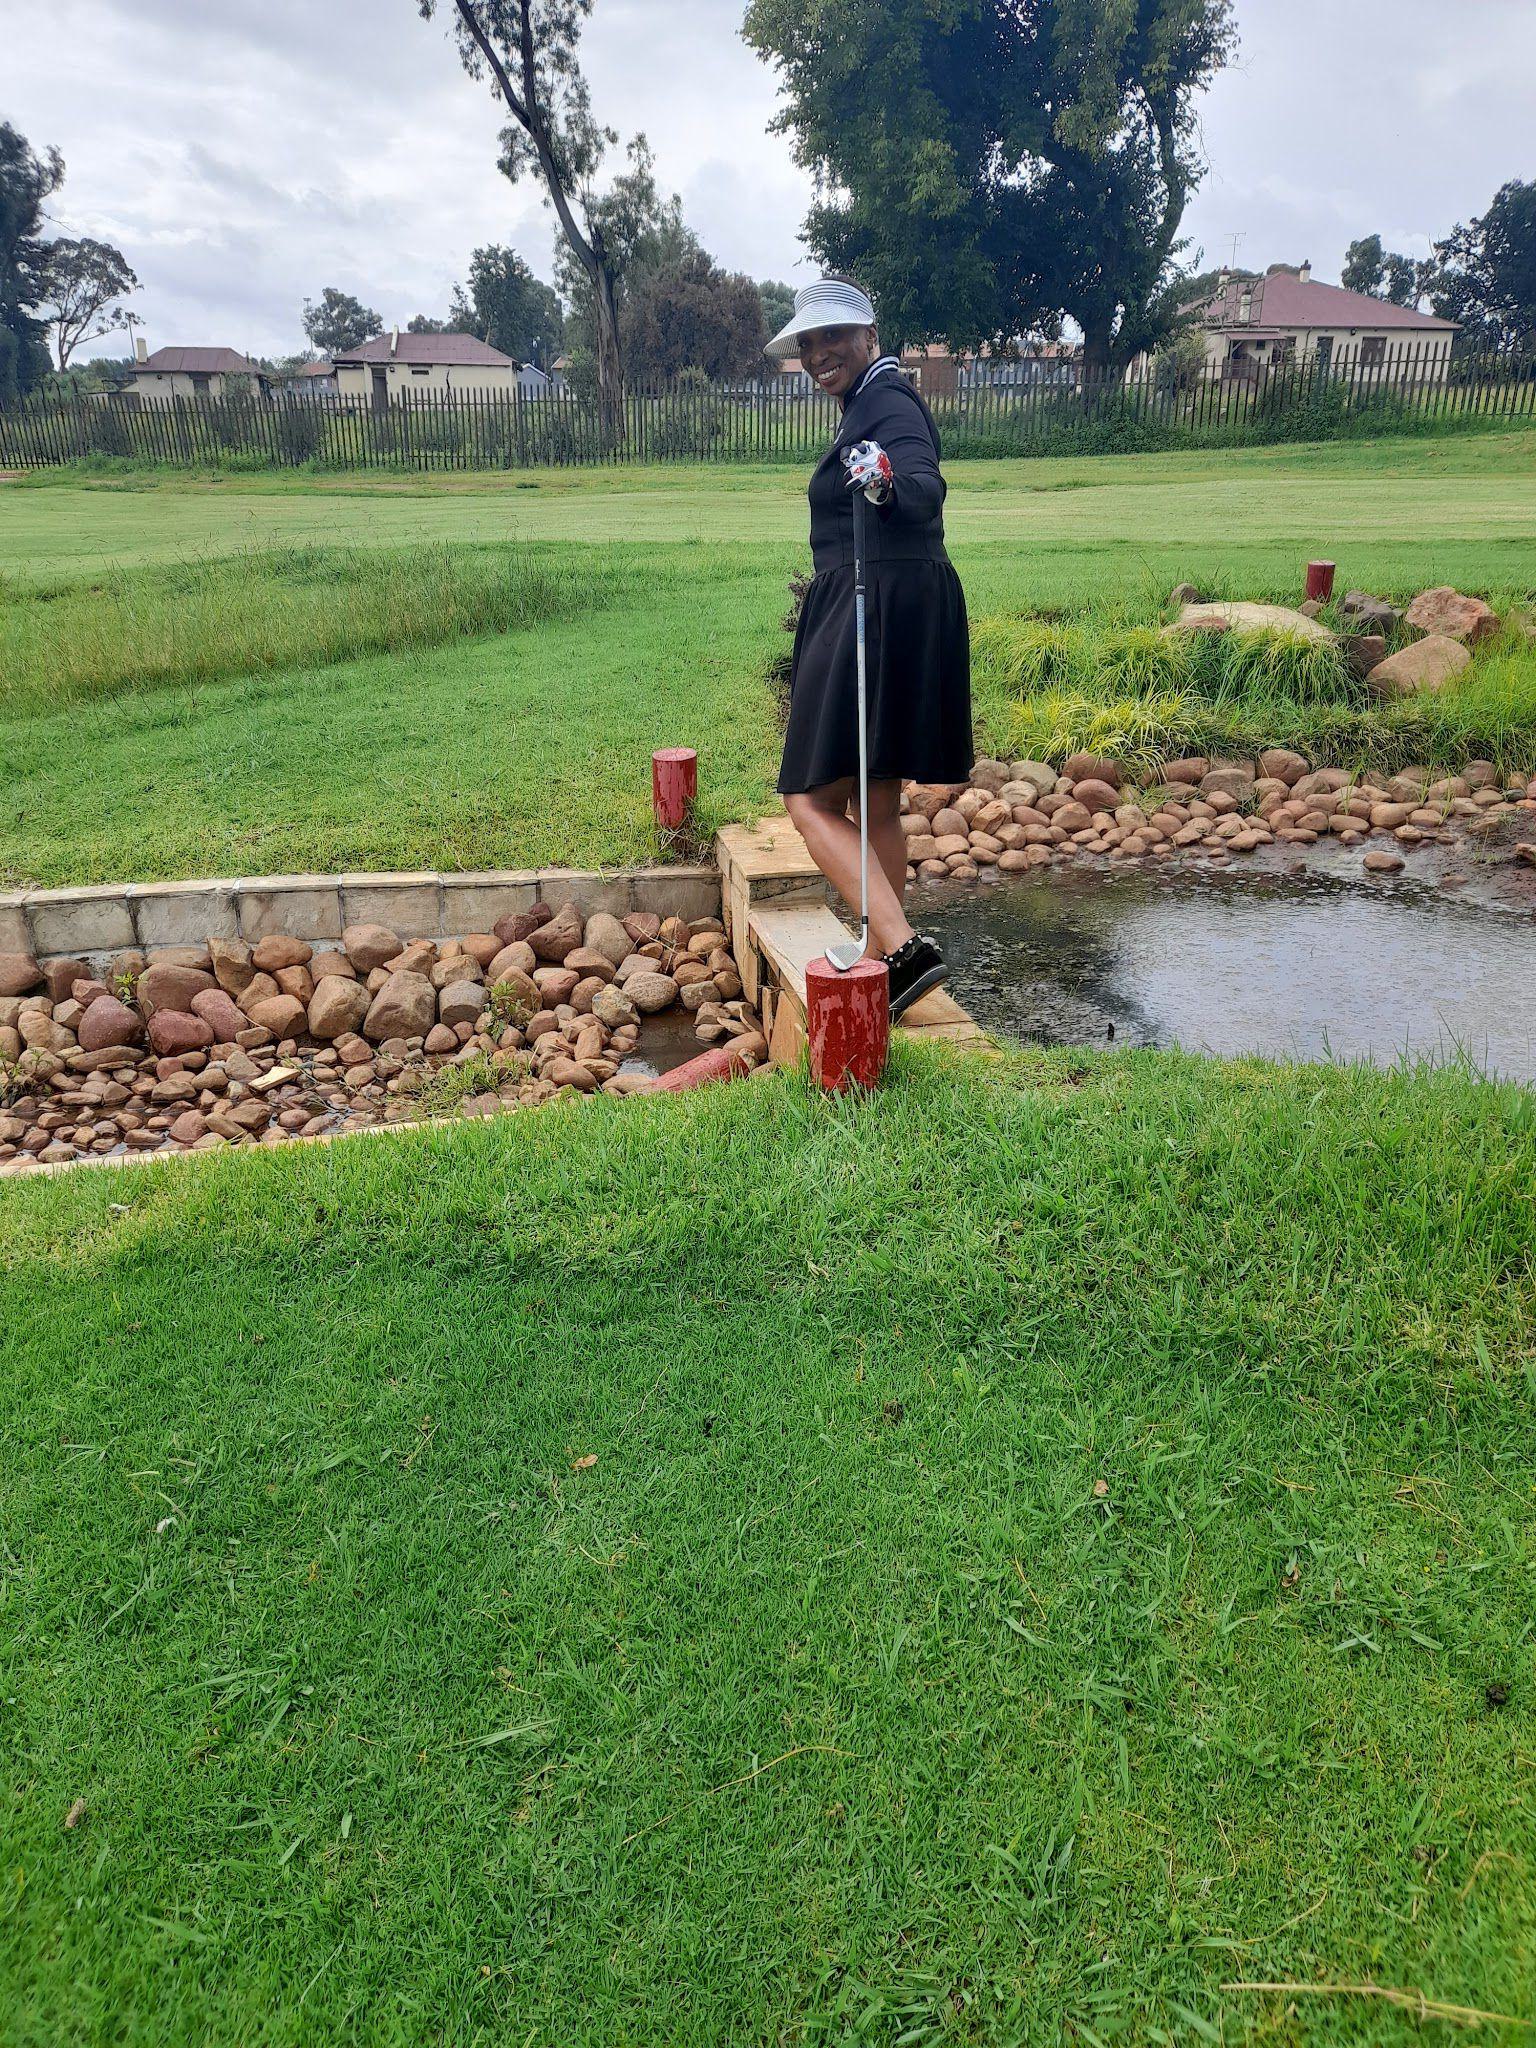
[(243, 156)]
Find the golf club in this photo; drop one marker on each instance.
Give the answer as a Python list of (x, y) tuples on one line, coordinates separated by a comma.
[(850, 954)]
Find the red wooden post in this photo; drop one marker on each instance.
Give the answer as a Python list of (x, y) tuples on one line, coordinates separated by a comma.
[(1320, 581), (674, 785), (720, 1063), (848, 1022)]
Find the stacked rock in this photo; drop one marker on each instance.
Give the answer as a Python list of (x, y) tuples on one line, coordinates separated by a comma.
[(194, 1048), (1016, 815)]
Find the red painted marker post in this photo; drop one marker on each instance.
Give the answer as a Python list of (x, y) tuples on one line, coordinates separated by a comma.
[(720, 1063), (674, 785), (848, 1022), (1320, 581)]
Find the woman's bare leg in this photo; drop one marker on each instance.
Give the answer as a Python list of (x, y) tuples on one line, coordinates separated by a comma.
[(886, 837), (821, 818)]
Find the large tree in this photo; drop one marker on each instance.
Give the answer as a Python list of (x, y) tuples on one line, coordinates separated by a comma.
[(1484, 272), (1380, 273), (778, 303), (692, 315), (529, 51), (983, 163), (506, 305), (338, 321), (84, 281), (26, 179)]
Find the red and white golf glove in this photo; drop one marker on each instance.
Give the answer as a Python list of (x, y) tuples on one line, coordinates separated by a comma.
[(869, 470)]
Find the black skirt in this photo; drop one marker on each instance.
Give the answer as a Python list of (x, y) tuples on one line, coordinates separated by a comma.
[(918, 681)]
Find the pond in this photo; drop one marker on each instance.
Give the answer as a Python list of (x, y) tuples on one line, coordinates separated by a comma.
[(1303, 963)]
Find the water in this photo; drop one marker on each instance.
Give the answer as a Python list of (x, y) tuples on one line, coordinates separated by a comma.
[(1303, 964)]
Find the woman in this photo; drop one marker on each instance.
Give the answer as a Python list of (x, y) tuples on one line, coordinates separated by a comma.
[(918, 643)]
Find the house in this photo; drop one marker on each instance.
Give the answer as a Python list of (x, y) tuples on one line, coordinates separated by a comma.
[(310, 380), (194, 373), (1289, 316), (393, 368)]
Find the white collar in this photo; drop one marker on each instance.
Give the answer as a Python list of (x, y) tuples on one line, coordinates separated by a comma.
[(876, 369)]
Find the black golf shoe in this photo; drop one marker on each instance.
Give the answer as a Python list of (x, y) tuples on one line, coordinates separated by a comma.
[(915, 967)]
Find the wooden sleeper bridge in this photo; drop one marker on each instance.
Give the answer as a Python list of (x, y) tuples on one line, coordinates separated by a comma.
[(774, 904)]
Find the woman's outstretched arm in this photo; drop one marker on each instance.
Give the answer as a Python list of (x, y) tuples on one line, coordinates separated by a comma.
[(902, 431)]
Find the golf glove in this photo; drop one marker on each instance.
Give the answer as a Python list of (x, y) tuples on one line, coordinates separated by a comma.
[(869, 470)]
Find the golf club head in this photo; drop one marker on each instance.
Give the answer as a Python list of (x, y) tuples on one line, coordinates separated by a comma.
[(849, 955)]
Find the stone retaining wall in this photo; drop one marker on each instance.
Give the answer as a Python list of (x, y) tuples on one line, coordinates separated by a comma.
[(115, 916)]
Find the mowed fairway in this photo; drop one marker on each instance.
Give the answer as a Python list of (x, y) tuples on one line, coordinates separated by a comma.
[(440, 744), (1024, 1557)]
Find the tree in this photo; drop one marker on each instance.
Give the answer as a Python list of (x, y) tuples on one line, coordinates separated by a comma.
[(26, 180), (692, 315), (1380, 273), (84, 279), (529, 50), (982, 163), (778, 303), (423, 323), (339, 321), (1484, 272), (506, 305)]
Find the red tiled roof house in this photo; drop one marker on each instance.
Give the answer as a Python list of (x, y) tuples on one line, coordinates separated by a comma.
[(394, 365), (1288, 315), (194, 373)]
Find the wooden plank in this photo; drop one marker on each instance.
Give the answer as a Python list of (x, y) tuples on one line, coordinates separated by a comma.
[(769, 850), (788, 938)]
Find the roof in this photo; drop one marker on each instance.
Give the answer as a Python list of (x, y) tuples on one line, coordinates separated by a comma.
[(186, 360), (315, 370), (1283, 299), (427, 348)]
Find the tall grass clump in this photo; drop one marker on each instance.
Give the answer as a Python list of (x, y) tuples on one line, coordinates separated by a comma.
[(206, 619), (1023, 655), (1280, 664)]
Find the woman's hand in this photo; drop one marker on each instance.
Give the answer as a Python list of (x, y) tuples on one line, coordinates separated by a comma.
[(869, 470)]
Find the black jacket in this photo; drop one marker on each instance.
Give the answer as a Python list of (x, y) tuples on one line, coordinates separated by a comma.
[(910, 524)]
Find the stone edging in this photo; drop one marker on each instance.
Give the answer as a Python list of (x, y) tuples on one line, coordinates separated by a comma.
[(425, 904)]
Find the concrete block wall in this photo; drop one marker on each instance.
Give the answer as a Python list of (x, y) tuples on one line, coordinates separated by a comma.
[(422, 905)]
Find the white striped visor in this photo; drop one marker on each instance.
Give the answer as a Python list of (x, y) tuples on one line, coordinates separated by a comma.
[(829, 302)]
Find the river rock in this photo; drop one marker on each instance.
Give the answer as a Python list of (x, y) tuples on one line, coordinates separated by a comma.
[(337, 1007), (1283, 765), (519, 923), (178, 1031), (1379, 863), (1093, 768), (1249, 618), (283, 1015), (19, 974), (1363, 652), (217, 1007), (1446, 614), (1428, 664), (613, 1007), (561, 935), (1096, 794), (1187, 771), (60, 976), (109, 1022), (460, 1002), (650, 992), (168, 987), (604, 934), (277, 951), (369, 945), (405, 1007), (41, 1032), (1227, 779), (587, 960), (232, 965)]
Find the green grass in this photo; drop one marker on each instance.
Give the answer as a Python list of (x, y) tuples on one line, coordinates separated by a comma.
[(254, 674), (1057, 1534)]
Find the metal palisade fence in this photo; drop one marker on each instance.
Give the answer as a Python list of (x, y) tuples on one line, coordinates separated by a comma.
[(1046, 409)]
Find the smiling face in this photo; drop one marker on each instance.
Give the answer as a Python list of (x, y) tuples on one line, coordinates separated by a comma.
[(835, 356)]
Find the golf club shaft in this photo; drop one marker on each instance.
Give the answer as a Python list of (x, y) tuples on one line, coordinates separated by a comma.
[(858, 626)]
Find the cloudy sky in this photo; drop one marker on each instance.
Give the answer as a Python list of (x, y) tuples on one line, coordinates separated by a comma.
[(243, 153)]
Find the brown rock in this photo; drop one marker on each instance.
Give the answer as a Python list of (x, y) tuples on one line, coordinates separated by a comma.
[(188, 1127), (296, 981), (650, 992), (369, 945), (1227, 779), (568, 1073), (261, 988), (561, 935), (1364, 652), (1189, 770), (1444, 613), (167, 987), (232, 964), (1095, 793), (405, 1007), (950, 823), (518, 958), (587, 960), (109, 1022), (520, 923), (40, 1032), (278, 950), (337, 1008), (284, 1016), (642, 926), (1091, 768), (460, 1003), (604, 934), (1379, 863), (177, 1031), (451, 968), (1425, 665), (555, 984), (332, 964), (1072, 817), (613, 1007), (1283, 765), (19, 974), (217, 1007), (61, 975)]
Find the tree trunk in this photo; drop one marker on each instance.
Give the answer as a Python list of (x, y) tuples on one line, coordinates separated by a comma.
[(610, 372)]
